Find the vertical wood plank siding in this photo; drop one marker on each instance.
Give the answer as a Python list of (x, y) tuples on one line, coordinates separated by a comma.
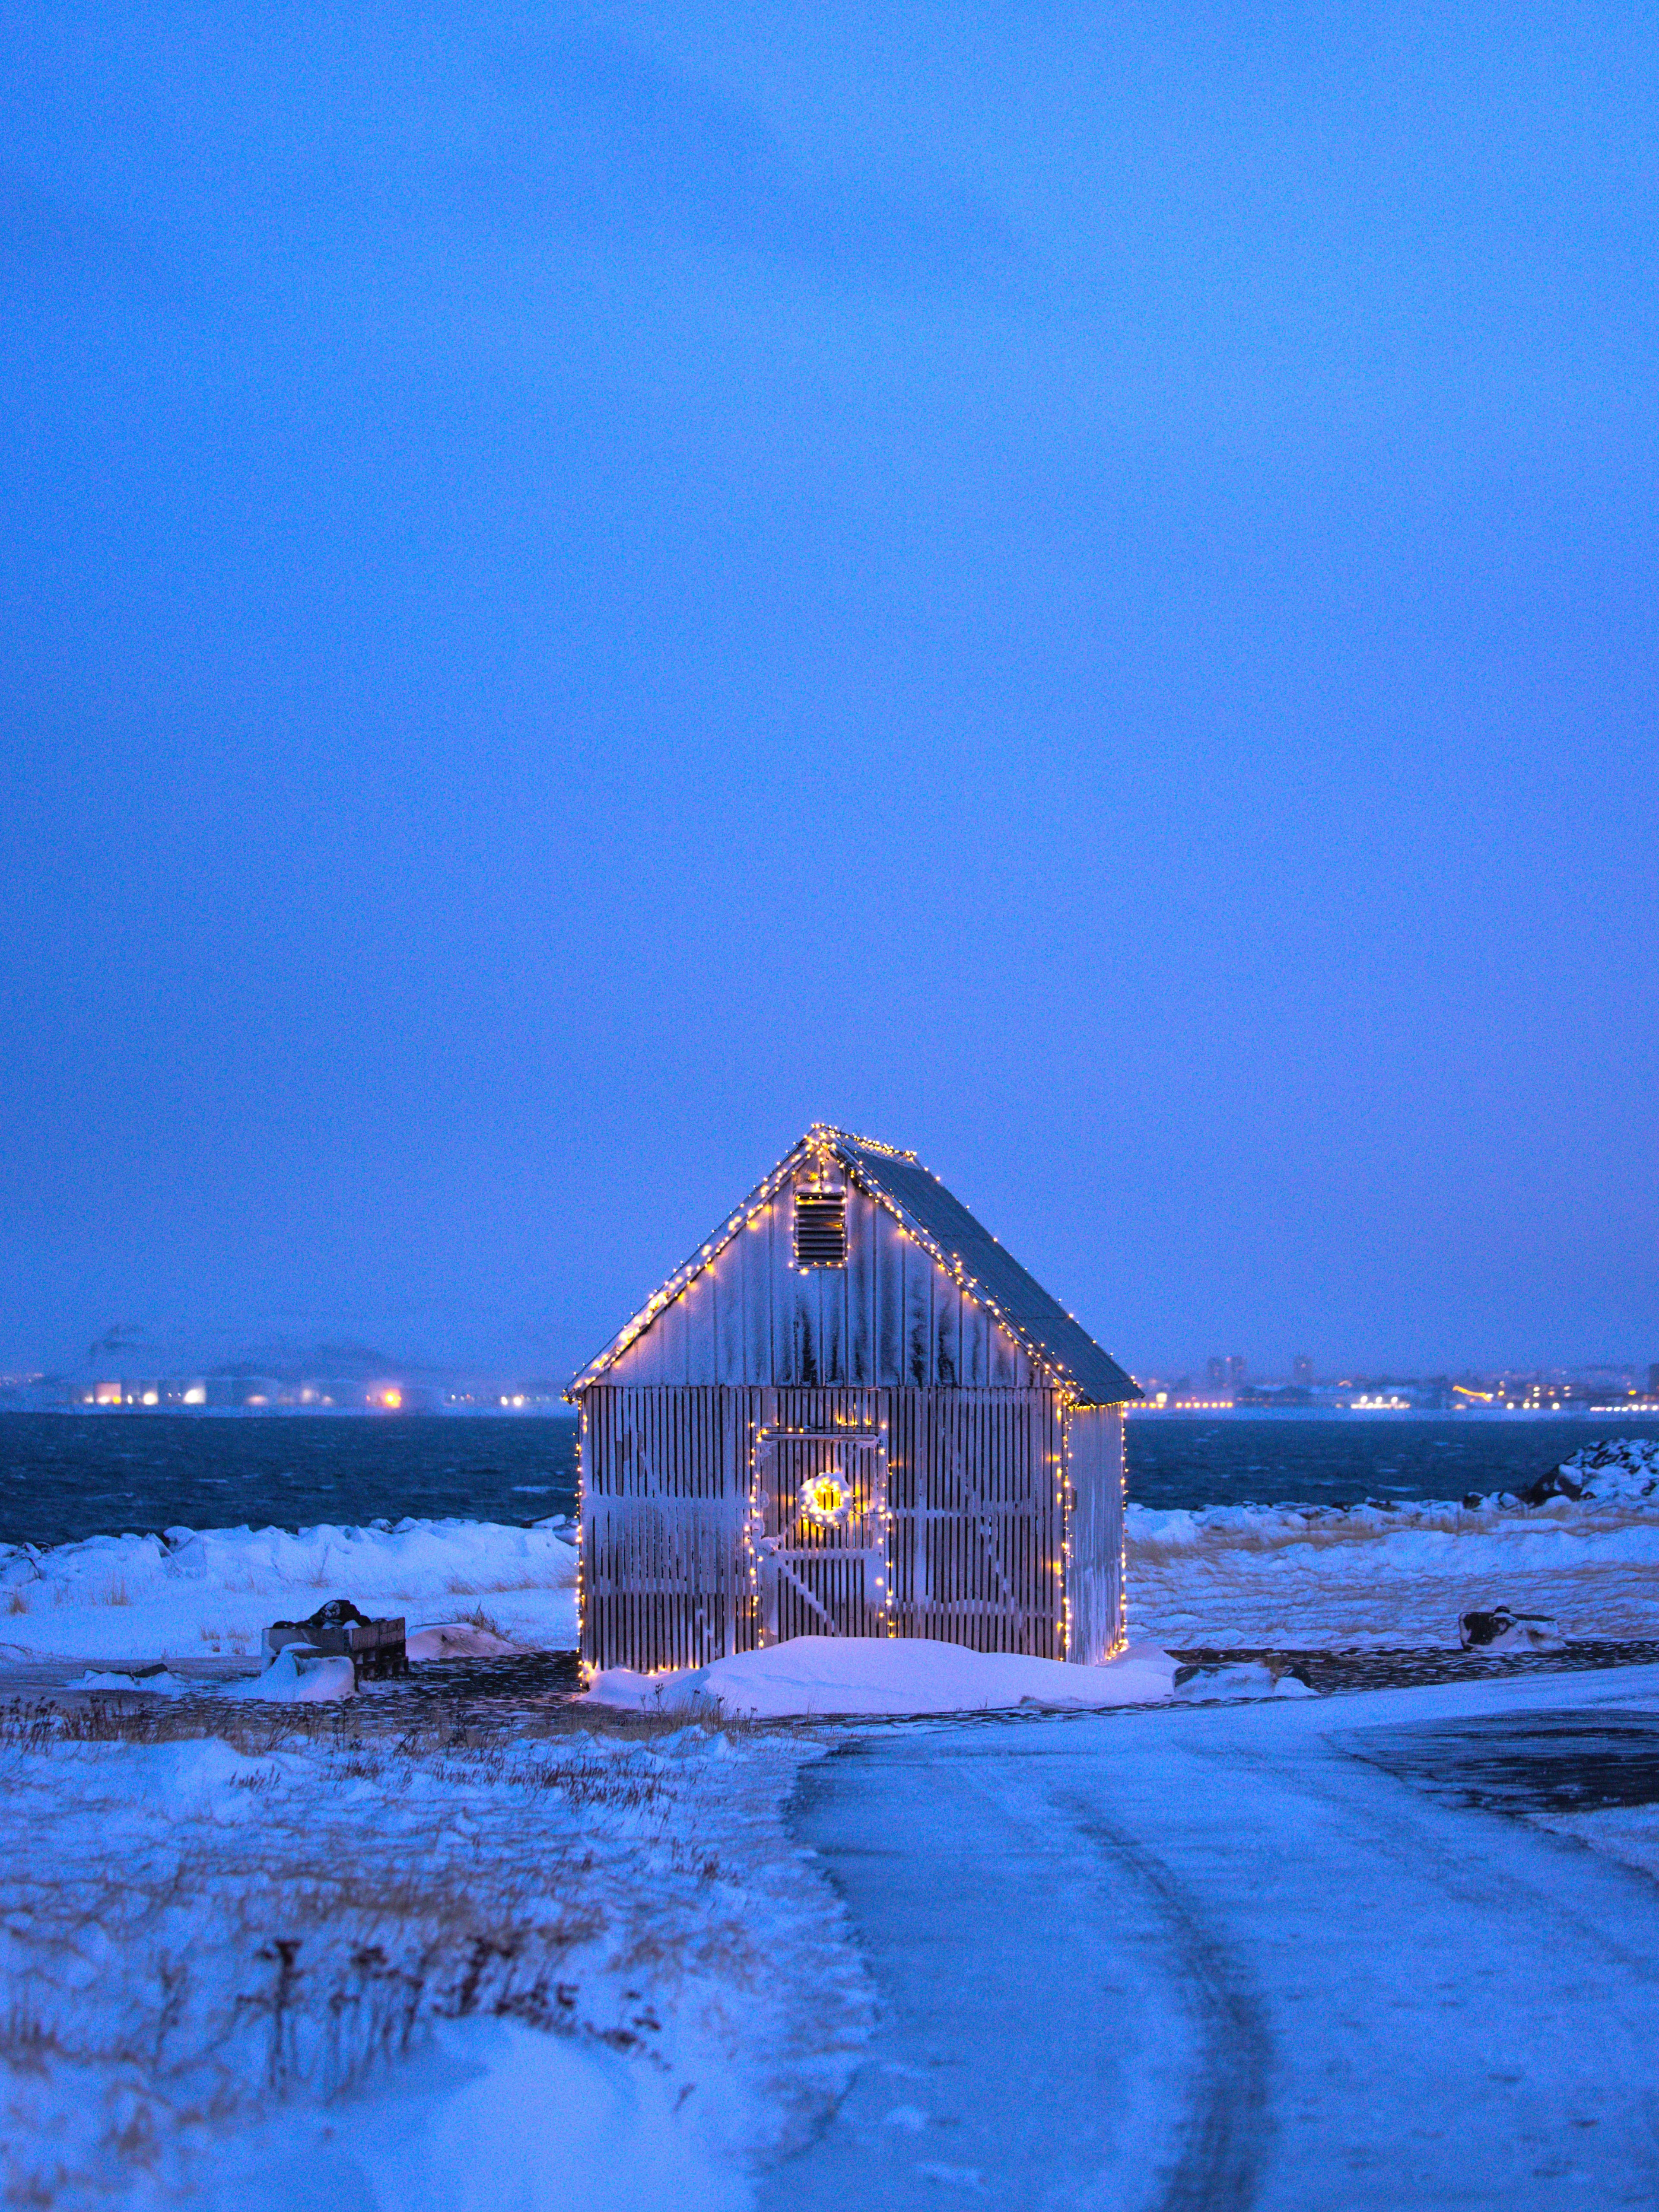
[(976, 1521), (975, 1439), (1095, 1439)]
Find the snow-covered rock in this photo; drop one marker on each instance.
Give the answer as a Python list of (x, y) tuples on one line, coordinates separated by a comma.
[(298, 1678), (1620, 1470), (835, 1675), (458, 1639), (1239, 1679), (1498, 1630), (294, 1677), (156, 1682)]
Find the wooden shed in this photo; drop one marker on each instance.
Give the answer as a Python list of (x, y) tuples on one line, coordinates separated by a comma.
[(851, 1412)]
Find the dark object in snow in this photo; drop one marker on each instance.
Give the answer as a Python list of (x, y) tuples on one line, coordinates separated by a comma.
[(1502, 1630), (1558, 1482), (375, 1647)]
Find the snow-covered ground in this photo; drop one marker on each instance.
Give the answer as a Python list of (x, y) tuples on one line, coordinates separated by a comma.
[(1313, 1578), (257, 1955), (1252, 1954), (1629, 1833), (292, 1962), (194, 1594)]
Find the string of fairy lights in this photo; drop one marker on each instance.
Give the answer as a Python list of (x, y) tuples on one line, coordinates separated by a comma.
[(823, 1145), (823, 1500)]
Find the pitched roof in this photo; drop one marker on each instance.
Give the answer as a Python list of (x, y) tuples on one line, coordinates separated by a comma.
[(993, 1276), (945, 1228)]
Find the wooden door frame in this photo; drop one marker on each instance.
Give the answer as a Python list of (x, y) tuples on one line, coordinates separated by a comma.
[(773, 1553)]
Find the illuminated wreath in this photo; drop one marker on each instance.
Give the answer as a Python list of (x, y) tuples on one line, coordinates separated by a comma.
[(826, 1500)]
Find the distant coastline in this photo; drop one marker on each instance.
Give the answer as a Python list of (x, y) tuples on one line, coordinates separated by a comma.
[(1643, 1410)]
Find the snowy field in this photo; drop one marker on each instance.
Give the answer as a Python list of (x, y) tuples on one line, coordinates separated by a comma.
[(1260, 1953), (291, 1961), (1316, 1580), (1319, 1577), (197, 1594)]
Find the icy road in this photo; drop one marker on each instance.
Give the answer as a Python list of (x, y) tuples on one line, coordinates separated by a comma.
[(1286, 1955)]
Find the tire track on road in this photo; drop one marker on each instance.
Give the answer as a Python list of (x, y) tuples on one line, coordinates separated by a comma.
[(1228, 2133)]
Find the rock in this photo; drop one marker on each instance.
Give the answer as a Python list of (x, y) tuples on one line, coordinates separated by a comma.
[(1502, 1630), (458, 1639), (1619, 1470), (1242, 1678), (1560, 1482)]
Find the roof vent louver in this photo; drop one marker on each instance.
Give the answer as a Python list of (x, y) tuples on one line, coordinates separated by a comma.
[(820, 1229)]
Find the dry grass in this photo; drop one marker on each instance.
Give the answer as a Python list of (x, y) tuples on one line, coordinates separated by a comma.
[(259, 1731), (384, 1878), (374, 1868), (458, 1586)]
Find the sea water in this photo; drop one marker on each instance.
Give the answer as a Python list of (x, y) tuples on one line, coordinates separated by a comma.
[(1342, 1459), (65, 1476)]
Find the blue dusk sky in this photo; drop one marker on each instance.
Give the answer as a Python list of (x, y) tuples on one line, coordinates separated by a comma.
[(1074, 588)]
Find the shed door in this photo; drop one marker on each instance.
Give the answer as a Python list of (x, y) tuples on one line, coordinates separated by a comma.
[(821, 1533)]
